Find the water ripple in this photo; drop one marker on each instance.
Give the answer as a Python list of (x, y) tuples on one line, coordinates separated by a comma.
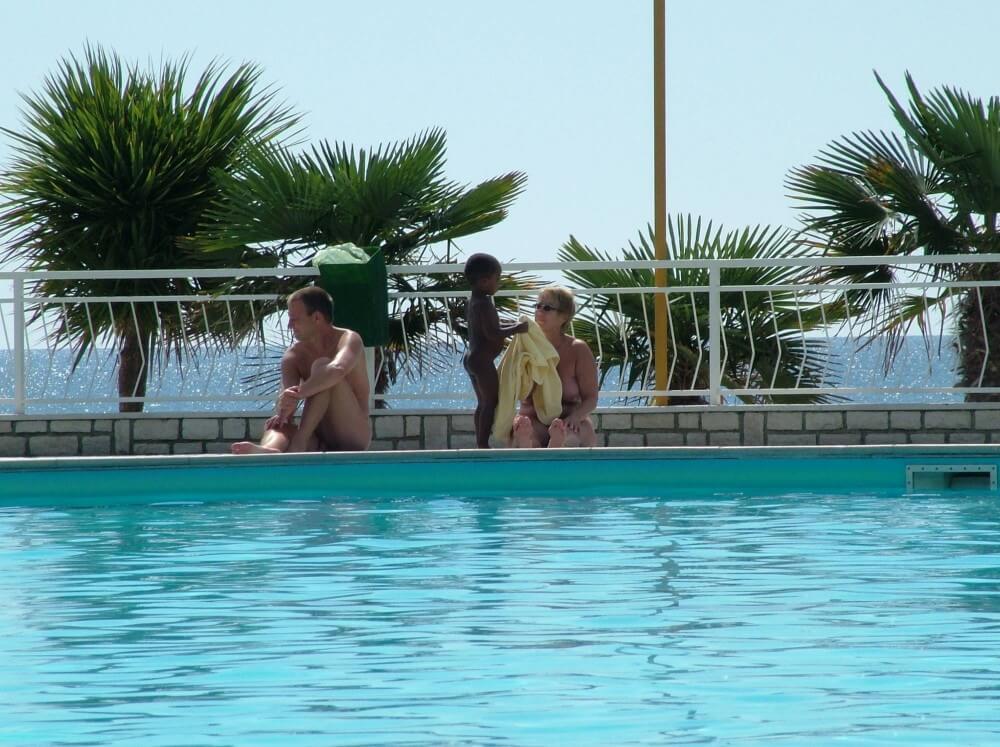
[(729, 619)]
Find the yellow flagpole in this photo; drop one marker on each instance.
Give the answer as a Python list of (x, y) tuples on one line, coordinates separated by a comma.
[(660, 340)]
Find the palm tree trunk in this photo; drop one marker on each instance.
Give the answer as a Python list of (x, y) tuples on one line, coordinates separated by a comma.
[(133, 368), (684, 378), (979, 338)]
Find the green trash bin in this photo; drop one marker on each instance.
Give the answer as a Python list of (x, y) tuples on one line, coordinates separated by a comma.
[(356, 279)]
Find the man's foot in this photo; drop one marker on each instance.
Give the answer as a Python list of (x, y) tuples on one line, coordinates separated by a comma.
[(249, 447), (557, 434), (523, 436)]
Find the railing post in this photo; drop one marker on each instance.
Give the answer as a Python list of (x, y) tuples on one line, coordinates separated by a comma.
[(20, 394), (661, 340), (714, 336)]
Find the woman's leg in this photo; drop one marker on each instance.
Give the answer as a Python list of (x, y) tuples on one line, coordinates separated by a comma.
[(561, 436), (524, 433)]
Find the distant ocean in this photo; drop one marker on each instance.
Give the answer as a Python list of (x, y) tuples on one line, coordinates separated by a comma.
[(202, 383)]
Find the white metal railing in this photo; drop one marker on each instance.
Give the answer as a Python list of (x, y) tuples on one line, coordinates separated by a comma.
[(211, 369)]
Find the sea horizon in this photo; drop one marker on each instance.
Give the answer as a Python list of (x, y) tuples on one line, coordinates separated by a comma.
[(203, 382)]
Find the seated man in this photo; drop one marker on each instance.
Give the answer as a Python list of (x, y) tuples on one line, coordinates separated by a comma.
[(325, 366)]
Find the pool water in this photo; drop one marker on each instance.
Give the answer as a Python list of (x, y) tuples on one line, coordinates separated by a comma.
[(726, 619)]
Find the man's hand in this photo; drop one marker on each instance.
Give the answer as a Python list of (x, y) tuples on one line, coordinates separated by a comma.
[(288, 402)]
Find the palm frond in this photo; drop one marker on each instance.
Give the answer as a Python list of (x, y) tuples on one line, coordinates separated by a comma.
[(934, 189), (279, 207), (961, 135), (765, 331), (113, 169)]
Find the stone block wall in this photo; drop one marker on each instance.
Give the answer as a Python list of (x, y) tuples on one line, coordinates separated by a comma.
[(783, 425)]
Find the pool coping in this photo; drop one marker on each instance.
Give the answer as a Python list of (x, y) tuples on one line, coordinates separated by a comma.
[(586, 454), (68, 481)]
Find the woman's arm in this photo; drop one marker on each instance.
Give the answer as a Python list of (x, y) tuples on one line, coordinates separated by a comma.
[(585, 371)]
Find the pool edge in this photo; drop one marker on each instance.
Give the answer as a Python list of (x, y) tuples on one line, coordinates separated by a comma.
[(470, 472)]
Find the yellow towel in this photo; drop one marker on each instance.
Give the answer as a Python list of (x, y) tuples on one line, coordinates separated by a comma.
[(530, 359)]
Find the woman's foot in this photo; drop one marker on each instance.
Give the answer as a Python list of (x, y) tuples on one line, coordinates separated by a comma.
[(557, 434), (523, 434)]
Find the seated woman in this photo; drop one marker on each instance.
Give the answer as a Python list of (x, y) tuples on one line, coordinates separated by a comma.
[(578, 372)]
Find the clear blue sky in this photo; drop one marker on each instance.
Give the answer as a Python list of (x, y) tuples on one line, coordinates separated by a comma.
[(559, 89)]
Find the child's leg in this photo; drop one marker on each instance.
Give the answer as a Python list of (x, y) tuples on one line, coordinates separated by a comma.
[(489, 394), (477, 416)]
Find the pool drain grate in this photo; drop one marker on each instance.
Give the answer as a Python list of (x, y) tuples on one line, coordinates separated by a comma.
[(951, 477)]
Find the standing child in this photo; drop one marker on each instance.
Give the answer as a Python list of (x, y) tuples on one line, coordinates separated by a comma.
[(486, 337)]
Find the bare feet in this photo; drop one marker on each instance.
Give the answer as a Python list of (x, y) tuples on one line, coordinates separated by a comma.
[(249, 447), (557, 434), (523, 436)]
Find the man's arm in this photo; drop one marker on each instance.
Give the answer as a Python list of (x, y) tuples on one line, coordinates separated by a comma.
[(285, 407), (349, 350)]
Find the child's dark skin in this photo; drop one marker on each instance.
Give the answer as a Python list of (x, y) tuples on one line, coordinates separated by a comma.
[(486, 337)]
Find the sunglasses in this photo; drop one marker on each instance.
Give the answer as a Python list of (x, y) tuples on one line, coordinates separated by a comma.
[(546, 307)]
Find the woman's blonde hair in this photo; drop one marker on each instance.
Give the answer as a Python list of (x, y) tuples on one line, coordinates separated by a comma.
[(564, 299)]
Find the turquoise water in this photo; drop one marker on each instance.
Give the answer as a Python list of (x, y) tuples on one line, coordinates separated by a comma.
[(728, 619)]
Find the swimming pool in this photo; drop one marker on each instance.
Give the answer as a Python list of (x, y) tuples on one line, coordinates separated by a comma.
[(734, 616), (86, 481)]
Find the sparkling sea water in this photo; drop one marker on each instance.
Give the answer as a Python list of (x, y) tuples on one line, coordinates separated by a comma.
[(210, 377), (793, 619)]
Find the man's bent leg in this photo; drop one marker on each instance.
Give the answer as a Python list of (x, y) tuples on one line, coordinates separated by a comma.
[(314, 410), (345, 425)]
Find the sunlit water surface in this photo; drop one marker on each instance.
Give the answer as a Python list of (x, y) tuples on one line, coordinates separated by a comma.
[(796, 619)]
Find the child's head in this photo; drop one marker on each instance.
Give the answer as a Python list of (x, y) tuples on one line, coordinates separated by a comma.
[(481, 267)]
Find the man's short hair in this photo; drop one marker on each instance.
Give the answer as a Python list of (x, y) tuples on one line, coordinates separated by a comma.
[(314, 299), (481, 266)]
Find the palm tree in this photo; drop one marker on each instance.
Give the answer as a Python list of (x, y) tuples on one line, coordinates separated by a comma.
[(114, 165), (932, 190), (765, 343), (281, 207)]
